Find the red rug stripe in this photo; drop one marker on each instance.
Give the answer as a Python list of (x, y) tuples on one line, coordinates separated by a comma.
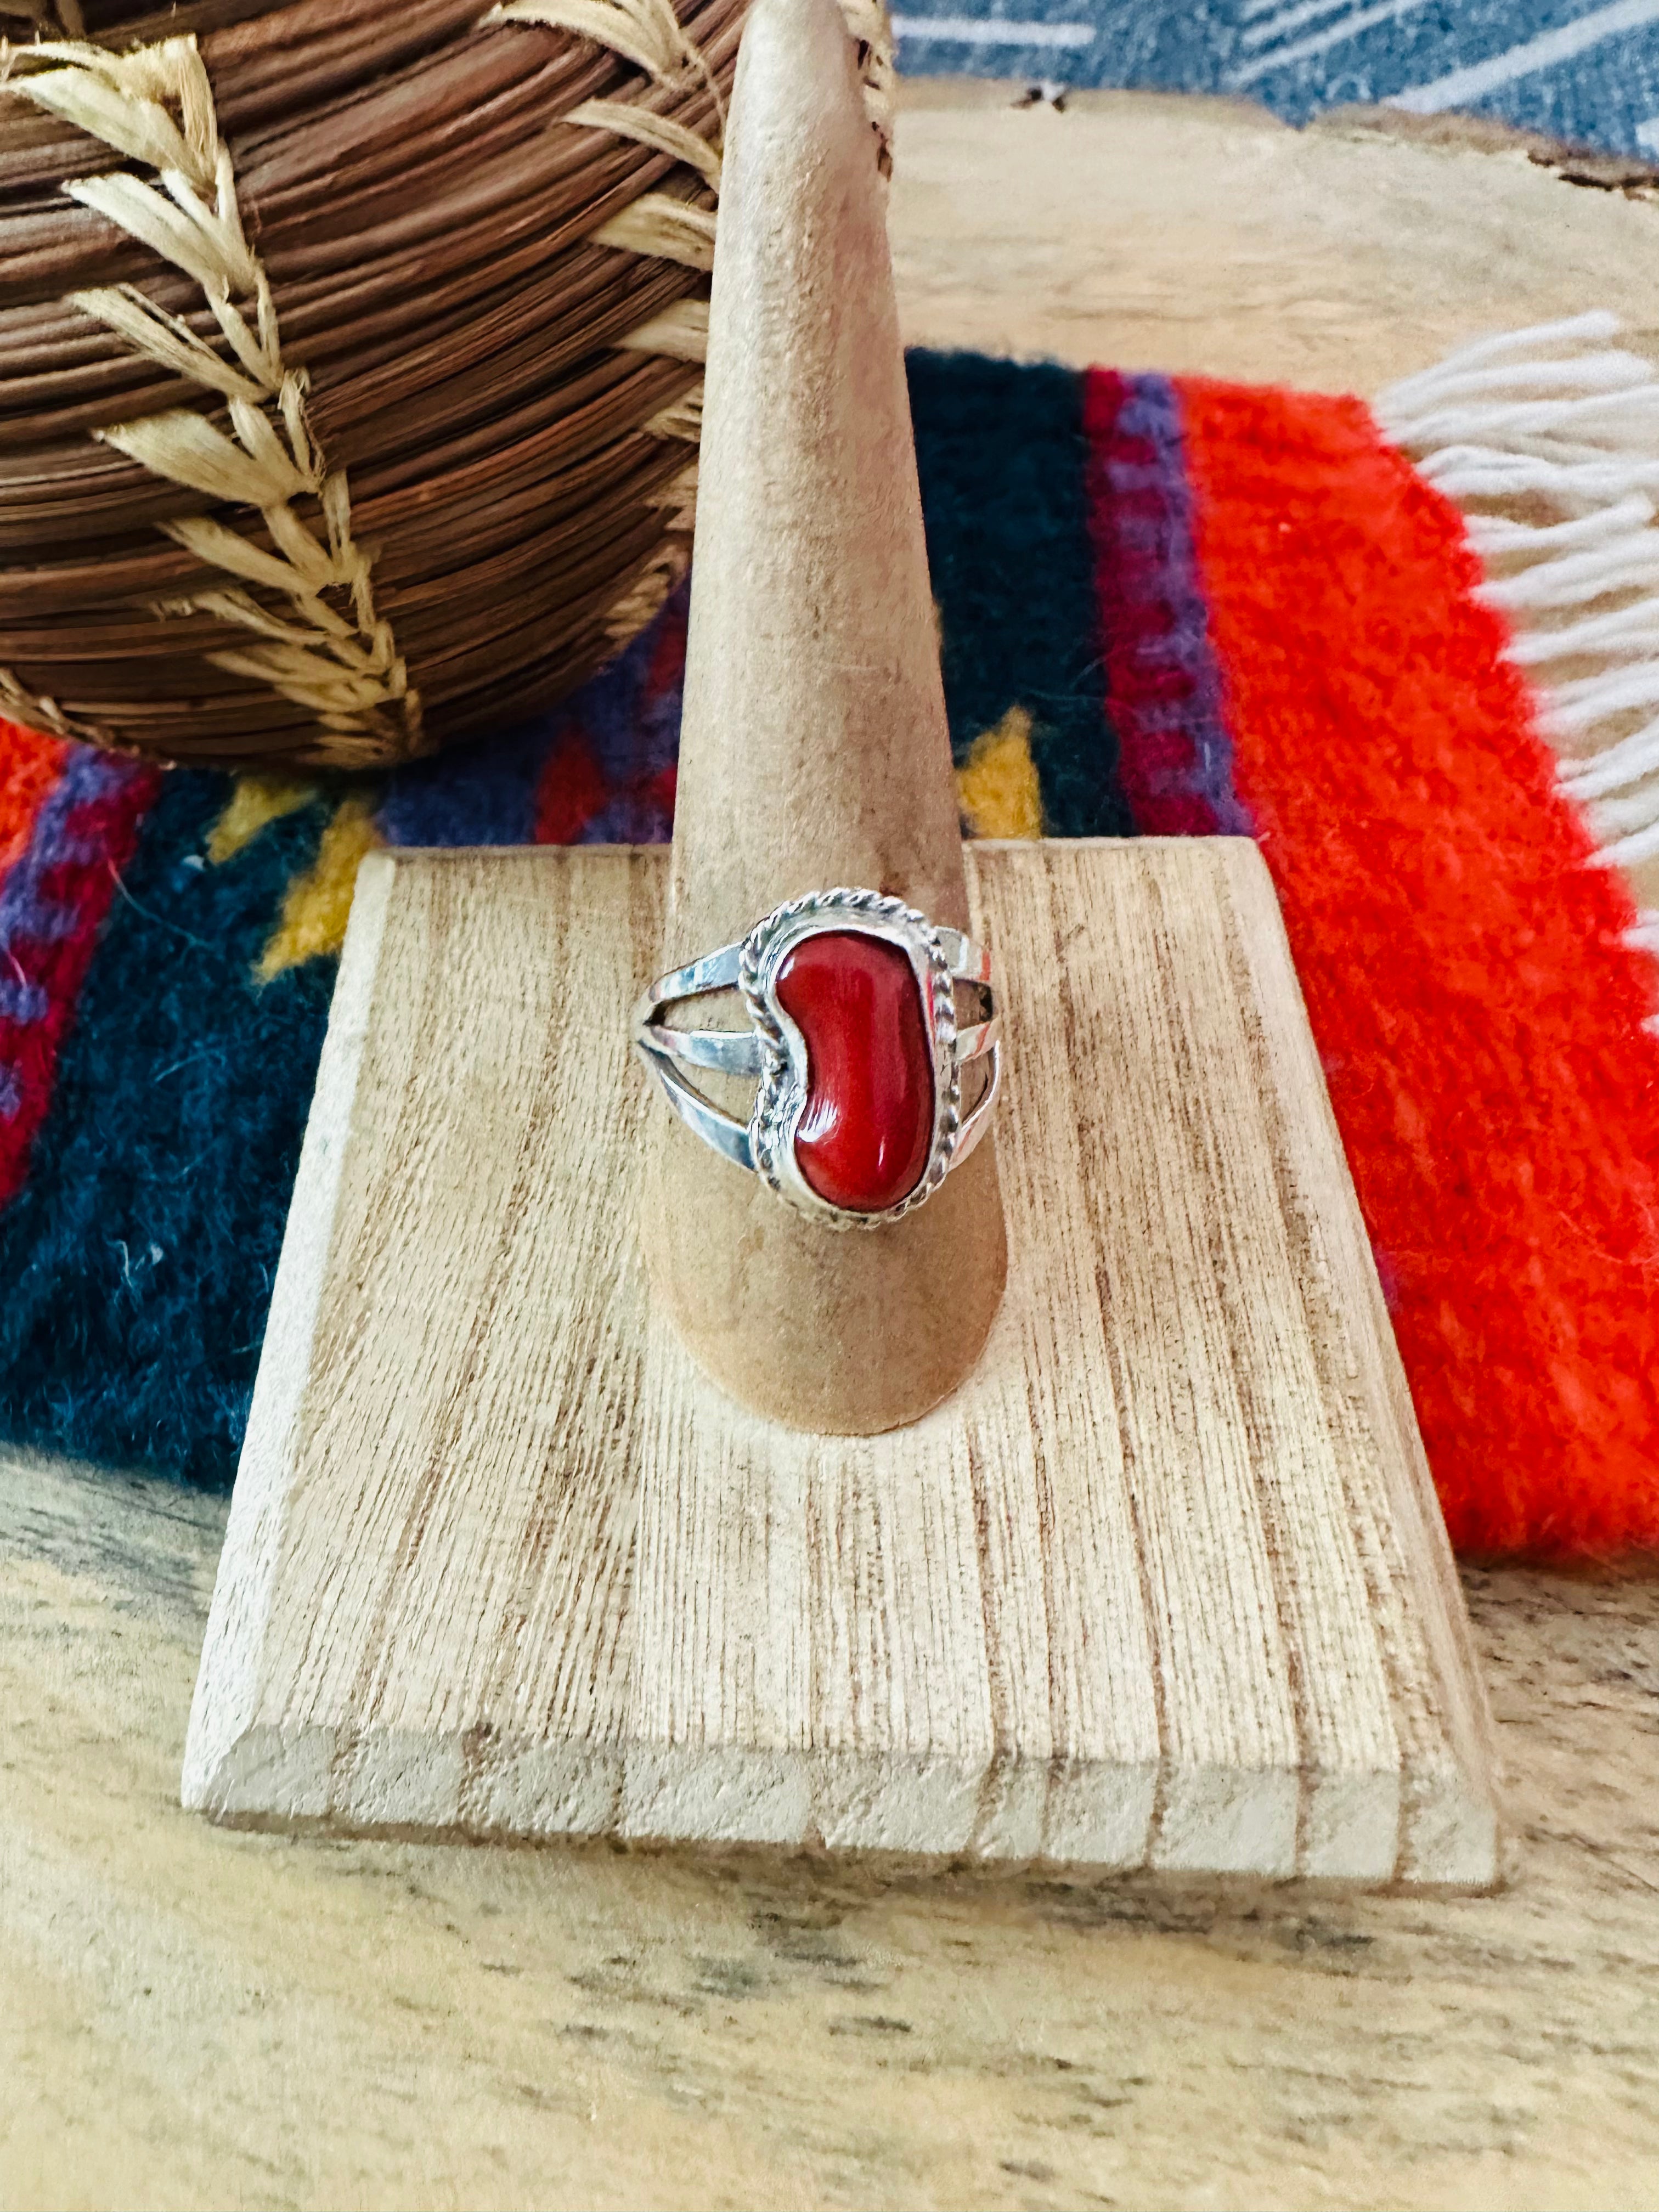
[(53, 906), (1480, 1020), (570, 791), (29, 767)]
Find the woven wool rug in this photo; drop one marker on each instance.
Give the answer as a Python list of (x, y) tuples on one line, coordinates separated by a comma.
[(1167, 608)]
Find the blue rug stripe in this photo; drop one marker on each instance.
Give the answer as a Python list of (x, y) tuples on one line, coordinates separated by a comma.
[(427, 804), (1003, 463), (137, 1260)]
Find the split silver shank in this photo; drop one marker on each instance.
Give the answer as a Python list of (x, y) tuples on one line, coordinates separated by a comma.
[(771, 1051)]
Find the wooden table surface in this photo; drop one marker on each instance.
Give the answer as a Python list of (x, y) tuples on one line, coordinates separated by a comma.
[(189, 2016), (1203, 236)]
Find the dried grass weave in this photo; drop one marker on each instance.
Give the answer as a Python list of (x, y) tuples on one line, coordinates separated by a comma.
[(350, 359)]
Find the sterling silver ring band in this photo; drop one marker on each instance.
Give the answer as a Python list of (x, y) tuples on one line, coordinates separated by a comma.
[(856, 1047)]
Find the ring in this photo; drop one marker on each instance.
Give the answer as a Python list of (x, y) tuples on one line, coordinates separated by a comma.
[(856, 1048)]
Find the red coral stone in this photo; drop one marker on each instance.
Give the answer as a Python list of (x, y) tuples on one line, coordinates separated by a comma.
[(868, 1126)]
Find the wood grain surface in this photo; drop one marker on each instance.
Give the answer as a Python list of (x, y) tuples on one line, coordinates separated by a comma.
[(1162, 1583), (195, 2017), (1206, 237)]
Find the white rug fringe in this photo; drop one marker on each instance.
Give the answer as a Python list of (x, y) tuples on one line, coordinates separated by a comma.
[(1497, 534), (1549, 439)]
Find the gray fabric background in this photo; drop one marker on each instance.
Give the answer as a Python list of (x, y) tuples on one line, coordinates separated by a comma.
[(1583, 70)]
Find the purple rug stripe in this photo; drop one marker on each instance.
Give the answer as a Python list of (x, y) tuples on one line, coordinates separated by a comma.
[(22, 1001), (483, 794), (634, 818), (631, 714), (28, 913), (1166, 682), (627, 719)]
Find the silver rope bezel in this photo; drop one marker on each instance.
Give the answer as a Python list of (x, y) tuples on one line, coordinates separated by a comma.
[(780, 1095)]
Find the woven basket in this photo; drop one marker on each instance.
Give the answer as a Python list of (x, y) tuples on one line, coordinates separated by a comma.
[(350, 359)]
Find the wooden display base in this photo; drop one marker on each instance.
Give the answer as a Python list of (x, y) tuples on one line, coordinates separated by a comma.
[(1164, 1584)]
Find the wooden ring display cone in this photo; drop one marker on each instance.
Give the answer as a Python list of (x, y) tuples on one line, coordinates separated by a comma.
[(814, 749)]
